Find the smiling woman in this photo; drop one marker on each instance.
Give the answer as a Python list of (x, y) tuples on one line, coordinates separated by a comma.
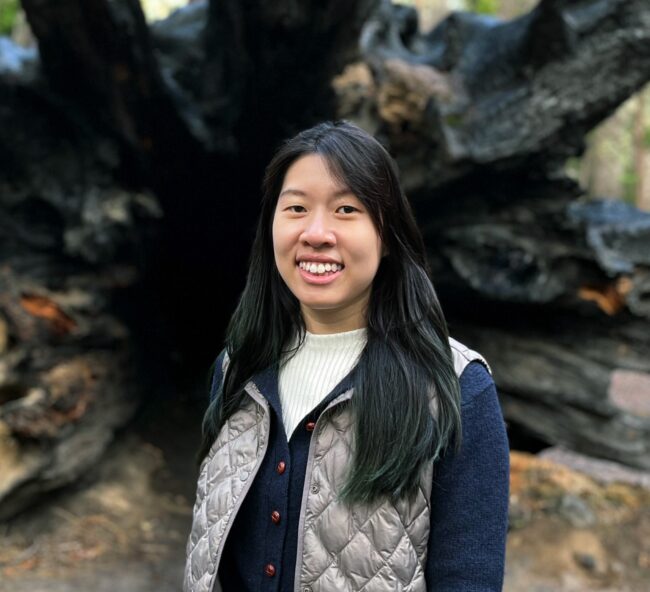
[(332, 456)]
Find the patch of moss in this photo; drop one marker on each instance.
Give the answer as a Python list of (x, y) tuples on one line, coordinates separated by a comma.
[(484, 6), (8, 12)]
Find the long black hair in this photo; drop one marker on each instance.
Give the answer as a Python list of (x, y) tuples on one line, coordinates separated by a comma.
[(407, 359)]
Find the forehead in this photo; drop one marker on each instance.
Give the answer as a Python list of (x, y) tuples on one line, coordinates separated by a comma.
[(311, 173)]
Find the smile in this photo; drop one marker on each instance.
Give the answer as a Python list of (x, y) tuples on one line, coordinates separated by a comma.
[(320, 268)]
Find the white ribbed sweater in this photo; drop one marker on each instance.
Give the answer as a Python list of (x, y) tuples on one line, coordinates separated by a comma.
[(316, 368)]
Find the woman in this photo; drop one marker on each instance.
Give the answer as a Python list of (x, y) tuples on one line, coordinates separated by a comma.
[(350, 444)]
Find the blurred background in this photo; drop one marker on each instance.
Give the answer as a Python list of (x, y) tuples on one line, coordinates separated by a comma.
[(133, 137)]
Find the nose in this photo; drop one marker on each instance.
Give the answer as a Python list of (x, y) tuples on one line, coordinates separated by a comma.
[(318, 231)]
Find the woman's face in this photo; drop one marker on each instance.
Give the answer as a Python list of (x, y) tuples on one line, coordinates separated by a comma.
[(326, 247)]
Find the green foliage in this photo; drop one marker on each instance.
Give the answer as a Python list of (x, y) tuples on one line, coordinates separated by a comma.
[(629, 182), (8, 12), (484, 6), (573, 167)]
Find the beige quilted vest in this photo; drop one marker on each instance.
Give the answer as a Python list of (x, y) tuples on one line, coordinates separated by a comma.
[(341, 548)]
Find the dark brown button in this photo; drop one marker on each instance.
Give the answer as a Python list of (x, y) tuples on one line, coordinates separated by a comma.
[(281, 467), (275, 517), (310, 426), (269, 570)]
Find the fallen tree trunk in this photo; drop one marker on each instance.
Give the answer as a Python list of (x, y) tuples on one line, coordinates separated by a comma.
[(68, 243), (129, 188), (553, 289), (477, 94), (103, 286)]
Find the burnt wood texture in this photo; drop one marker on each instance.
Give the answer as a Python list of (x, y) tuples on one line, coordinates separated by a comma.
[(131, 157)]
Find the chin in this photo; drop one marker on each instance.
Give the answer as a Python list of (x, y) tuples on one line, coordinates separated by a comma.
[(319, 305)]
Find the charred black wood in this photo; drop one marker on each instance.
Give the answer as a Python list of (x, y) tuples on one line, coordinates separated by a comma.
[(130, 163), (477, 91), (553, 288), (70, 243)]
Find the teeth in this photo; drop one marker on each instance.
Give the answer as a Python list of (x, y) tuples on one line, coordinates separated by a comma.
[(319, 268)]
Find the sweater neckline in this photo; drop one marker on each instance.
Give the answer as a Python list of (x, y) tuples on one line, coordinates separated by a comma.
[(331, 341)]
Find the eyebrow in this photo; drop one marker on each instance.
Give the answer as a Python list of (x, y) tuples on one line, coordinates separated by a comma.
[(300, 193)]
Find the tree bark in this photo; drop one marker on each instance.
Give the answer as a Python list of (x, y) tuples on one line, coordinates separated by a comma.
[(477, 92), (554, 290), (132, 161), (106, 285)]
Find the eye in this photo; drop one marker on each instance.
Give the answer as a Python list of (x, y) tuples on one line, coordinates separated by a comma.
[(296, 209), (348, 209)]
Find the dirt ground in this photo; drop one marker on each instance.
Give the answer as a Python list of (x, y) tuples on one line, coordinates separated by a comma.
[(124, 529), (571, 533)]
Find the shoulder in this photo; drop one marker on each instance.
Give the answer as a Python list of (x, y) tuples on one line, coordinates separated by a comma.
[(463, 355), (475, 383), (473, 371)]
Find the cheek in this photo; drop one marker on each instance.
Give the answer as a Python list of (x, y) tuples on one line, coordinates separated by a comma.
[(282, 246), (373, 245), (276, 235), (277, 251)]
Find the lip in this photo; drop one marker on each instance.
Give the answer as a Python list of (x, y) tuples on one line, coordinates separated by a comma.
[(311, 278), (317, 259)]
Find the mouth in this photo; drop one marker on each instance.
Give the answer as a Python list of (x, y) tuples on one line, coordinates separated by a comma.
[(318, 273), (320, 269)]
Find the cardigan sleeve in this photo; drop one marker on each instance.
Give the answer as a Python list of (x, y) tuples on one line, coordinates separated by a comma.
[(469, 498)]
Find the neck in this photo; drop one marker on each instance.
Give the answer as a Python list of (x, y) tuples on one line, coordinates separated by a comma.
[(322, 322)]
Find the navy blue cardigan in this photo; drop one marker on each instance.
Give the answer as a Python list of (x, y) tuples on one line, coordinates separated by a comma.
[(469, 499)]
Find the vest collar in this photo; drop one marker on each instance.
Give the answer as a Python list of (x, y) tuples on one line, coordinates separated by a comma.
[(263, 388)]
